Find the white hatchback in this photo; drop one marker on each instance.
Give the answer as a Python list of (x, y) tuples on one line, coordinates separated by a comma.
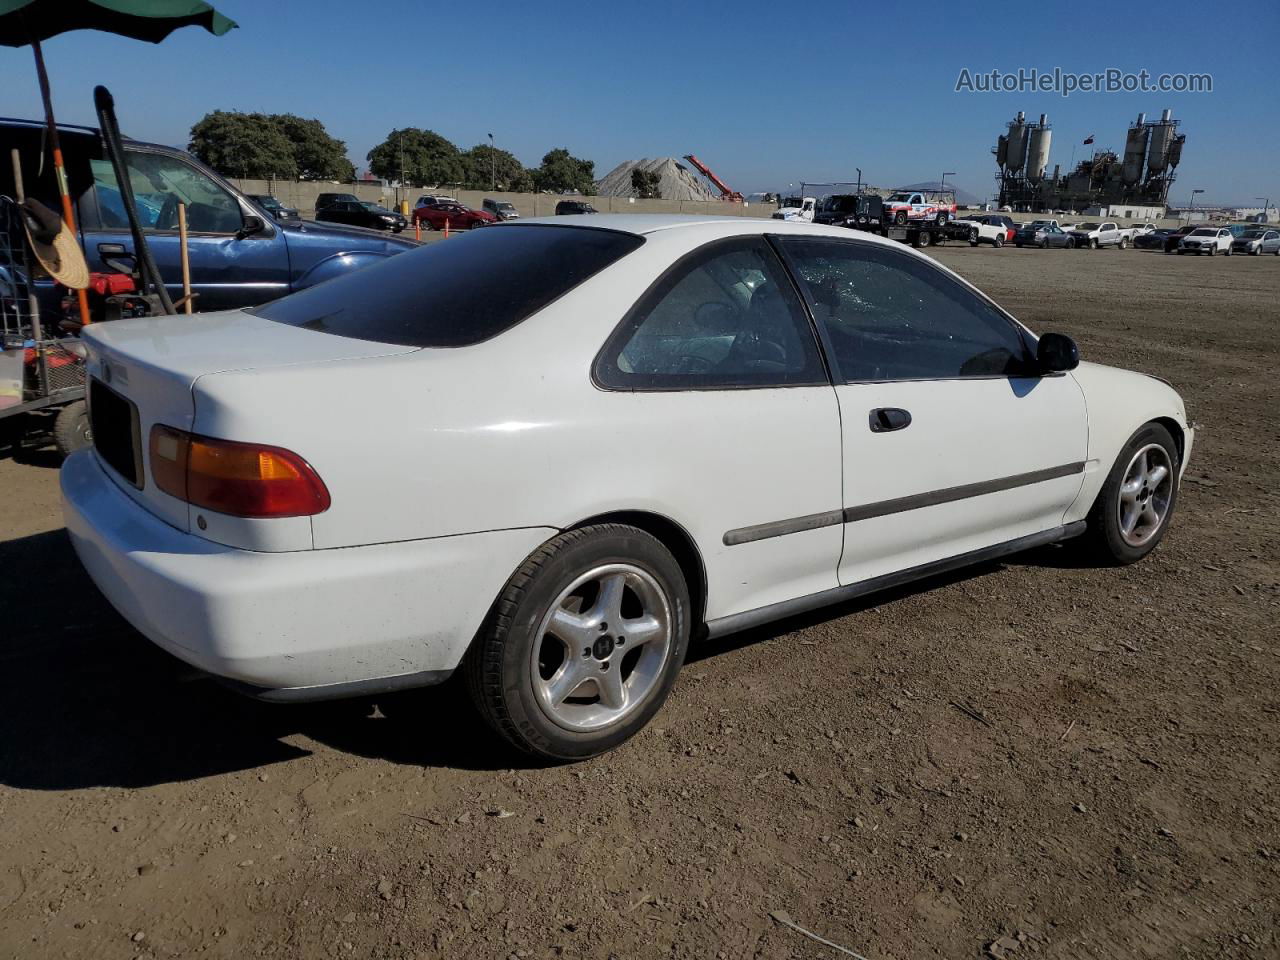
[(553, 452)]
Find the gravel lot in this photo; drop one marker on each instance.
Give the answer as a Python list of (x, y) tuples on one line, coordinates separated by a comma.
[(1117, 798)]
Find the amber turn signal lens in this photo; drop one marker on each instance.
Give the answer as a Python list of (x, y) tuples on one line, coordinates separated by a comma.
[(240, 479)]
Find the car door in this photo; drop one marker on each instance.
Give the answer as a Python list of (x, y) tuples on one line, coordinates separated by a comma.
[(229, 268), (952, 442), (717, 370)]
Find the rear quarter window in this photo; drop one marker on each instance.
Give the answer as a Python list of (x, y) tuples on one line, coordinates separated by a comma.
[(456, 292)]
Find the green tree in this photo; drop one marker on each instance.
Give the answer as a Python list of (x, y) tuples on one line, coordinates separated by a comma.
[(488, 165), (562, 173), (645, 184), (243, 145), (423, 155), (317, 155)]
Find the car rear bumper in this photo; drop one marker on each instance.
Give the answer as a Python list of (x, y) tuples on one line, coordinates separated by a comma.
[(309, 624)]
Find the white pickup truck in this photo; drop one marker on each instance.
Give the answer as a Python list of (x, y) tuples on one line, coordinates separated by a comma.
[(797, 208), (1105, 234)]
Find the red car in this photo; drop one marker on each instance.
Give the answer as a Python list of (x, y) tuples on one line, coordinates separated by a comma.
[(433, 217)]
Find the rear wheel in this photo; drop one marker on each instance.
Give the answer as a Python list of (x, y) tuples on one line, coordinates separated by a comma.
[(999, 240), (1136, 502), (71, 430), (584, 644), (923, 239)]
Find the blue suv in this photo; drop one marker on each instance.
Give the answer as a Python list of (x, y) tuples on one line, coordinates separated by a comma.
[(239, 254)]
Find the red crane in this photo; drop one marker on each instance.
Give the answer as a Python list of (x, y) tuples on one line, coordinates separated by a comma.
[(725, 192)]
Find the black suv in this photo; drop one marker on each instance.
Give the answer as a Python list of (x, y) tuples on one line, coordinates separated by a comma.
[(569, 207), (851, 210), (328, 199), (359, 213)]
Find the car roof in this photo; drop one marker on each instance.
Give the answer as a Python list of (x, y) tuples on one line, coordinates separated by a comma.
[(705, 227)]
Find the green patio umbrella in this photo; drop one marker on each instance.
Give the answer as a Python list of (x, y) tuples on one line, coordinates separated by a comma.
[(28, 22)]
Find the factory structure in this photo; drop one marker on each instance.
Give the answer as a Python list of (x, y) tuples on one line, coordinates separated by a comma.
[(1141, 178)]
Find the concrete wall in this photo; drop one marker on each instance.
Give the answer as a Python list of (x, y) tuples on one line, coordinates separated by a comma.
[(303, 197)]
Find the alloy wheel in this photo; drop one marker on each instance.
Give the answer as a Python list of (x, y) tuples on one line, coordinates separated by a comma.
[(601, 648), (1145, 494)]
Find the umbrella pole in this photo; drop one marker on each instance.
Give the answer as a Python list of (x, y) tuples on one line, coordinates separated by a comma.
[(58, 168)]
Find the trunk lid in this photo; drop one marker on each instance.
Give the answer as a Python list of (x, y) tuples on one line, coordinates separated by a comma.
[(141, 372)]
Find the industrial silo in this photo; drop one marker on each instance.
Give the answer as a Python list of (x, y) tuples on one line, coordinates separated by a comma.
[(1002, 151), (1175, 150), (1038, 150), (1135, 149), (1017, 152), (1162, 134)]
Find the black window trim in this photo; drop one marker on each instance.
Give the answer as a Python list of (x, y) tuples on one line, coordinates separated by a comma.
[(612, 344), (833, 364)]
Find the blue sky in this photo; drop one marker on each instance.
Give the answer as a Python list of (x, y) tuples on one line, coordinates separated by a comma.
[(765, 95)]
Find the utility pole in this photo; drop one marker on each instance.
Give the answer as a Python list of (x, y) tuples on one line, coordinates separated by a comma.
[(401, 183), (493, 165), (859, 188)]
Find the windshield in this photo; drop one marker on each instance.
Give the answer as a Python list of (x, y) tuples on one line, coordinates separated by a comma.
[(1204, 233), (1253, 234), (505, 206), (369, 205), (1087, 226), (899, 196), (458, 293)]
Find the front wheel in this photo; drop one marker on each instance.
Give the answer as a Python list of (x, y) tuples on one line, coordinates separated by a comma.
[(584, 644), (1124, 243), (1093, 244), (973, 238), (900, 218), (1227, 252), (1213, 251), (1136, 502)]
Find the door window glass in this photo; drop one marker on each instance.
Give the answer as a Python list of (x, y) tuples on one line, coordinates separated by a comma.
[(159, 184), (726, 316), (893, 316)]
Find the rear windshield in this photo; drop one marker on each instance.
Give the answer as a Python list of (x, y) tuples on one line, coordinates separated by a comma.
[(458, 291)]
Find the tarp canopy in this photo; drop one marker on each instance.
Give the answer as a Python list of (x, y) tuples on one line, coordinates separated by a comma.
[(25, 21)]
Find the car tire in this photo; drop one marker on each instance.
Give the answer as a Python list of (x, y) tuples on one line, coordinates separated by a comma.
[(1213, 251), (900, 218), (1228, 251), (923, 239), (999, 240), (1093, 243), (942, 218), (592, 575), (1119, 503), (1124, 243), (1043, 244), (71, 429), (973, 238)]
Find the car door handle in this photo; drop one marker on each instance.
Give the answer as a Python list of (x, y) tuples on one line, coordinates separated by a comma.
[(886, 419)]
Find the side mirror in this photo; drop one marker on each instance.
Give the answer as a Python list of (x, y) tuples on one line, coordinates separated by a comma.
[(1057, 353), (251, 226)]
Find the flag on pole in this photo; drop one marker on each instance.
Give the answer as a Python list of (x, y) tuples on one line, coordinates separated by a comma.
[(1088, 140)]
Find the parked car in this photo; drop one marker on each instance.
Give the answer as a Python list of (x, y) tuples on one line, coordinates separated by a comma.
[(1172, 241), (237, 256), (1258, 241), (566, 208), (1042, 234), (502, 209), (458, 217), (842, 210), (993, 228), (1155, 240), (435, 514), (328, 199), (916, 205), (1210, 240), (1139, 229), (1106, 234), (433, 199), (274, 207), (363, 214), (801, 209)]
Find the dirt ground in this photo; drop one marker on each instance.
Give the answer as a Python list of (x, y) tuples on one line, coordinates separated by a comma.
[(1118, 798)]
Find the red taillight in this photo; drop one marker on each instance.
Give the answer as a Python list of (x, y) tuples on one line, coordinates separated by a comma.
[(240, 479)]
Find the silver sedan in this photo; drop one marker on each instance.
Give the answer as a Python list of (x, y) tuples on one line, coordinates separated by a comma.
[(1257, 242)]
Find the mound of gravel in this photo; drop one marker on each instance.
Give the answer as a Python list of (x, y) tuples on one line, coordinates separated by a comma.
[(677, 182)]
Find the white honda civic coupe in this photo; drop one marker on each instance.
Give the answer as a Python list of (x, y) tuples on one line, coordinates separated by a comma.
[(551, 453)]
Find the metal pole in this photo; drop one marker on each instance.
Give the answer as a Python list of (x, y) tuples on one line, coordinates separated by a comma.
[(59, 169), (859, 169), (493, 165), (186, 260)]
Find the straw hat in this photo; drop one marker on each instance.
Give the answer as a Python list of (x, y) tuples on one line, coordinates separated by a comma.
[(54, 245)]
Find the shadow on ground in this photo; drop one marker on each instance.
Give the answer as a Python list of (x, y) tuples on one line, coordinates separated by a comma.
[(85, 701)]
